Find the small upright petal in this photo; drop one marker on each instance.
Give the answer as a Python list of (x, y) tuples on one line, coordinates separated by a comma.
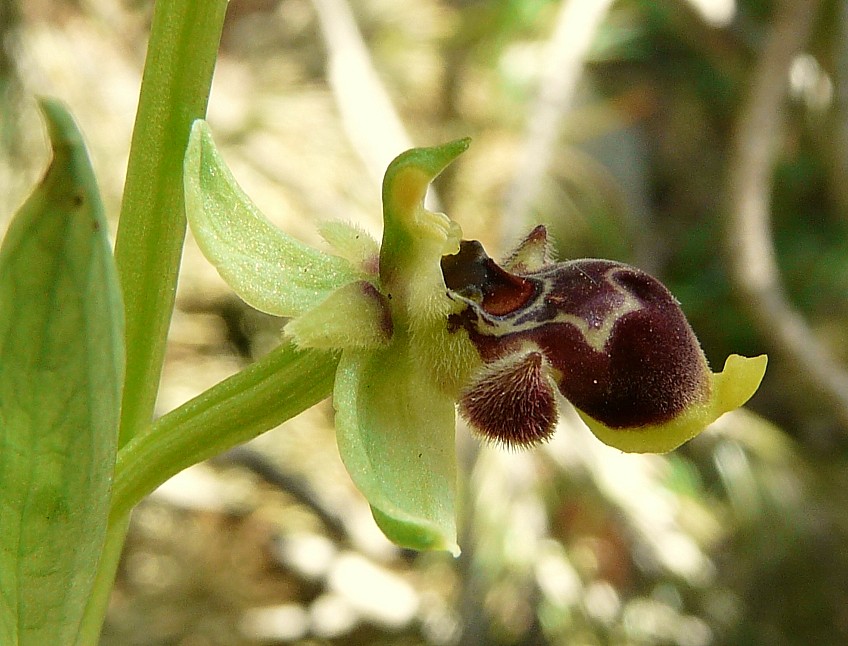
[(531, 254), (353, 244), (355, 316)]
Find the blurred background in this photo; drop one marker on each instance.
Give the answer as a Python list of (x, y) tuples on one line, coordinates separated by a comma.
[(704, 140)]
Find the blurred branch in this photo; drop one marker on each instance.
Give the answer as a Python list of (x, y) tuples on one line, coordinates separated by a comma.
[(297, 487), (505, 528), (10, 108), (10, 18), (368, 114), (575, 29), (833, 138), (752, 257)]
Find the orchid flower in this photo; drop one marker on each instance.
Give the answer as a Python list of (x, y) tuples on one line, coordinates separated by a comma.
[(426, 322)]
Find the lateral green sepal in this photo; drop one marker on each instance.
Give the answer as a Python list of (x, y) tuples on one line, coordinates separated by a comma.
[(395, 433), (267, 268)]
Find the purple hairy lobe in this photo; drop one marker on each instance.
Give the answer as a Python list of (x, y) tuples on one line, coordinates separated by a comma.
[(610, 336)]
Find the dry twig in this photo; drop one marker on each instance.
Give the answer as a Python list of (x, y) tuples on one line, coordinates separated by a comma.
[(368, 115), (751, 255)]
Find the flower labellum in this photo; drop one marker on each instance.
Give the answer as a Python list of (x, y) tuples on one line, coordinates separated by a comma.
[(611, 338)]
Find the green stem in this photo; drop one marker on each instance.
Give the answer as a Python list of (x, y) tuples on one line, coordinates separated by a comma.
[(260, 397), (181, 54), (282, 384), (181, 57)]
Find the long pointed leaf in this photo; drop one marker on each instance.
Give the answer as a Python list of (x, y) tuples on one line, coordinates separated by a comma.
[(61, 368)]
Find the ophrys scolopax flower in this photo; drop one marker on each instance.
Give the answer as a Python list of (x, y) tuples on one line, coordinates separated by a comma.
[(425, 320)]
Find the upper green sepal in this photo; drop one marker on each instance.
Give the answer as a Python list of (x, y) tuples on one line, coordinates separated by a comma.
[(61, 373), (267, 268), (412, 235)]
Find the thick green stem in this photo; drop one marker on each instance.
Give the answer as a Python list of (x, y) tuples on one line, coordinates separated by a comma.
[(181, 57), (260, 397)]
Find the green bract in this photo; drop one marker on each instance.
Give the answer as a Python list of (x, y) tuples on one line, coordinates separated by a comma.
[(502, 343)]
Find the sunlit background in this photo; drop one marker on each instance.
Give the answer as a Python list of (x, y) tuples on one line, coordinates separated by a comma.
[(631, 129)]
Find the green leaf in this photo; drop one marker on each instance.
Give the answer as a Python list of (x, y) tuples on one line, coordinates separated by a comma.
[(61, 370), (268, 269), (395, 433)]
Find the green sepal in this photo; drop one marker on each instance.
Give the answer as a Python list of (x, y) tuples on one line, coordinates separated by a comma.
[(395, 434), (268, 269), (61, 372), (729, 390)]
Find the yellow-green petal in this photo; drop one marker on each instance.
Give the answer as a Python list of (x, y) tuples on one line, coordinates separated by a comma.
[(354, 316), (270, 270), (353, 244), (395, 434), (729, 390)]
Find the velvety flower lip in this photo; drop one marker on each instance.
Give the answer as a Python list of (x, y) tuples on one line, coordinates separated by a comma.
[(614, 340)]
